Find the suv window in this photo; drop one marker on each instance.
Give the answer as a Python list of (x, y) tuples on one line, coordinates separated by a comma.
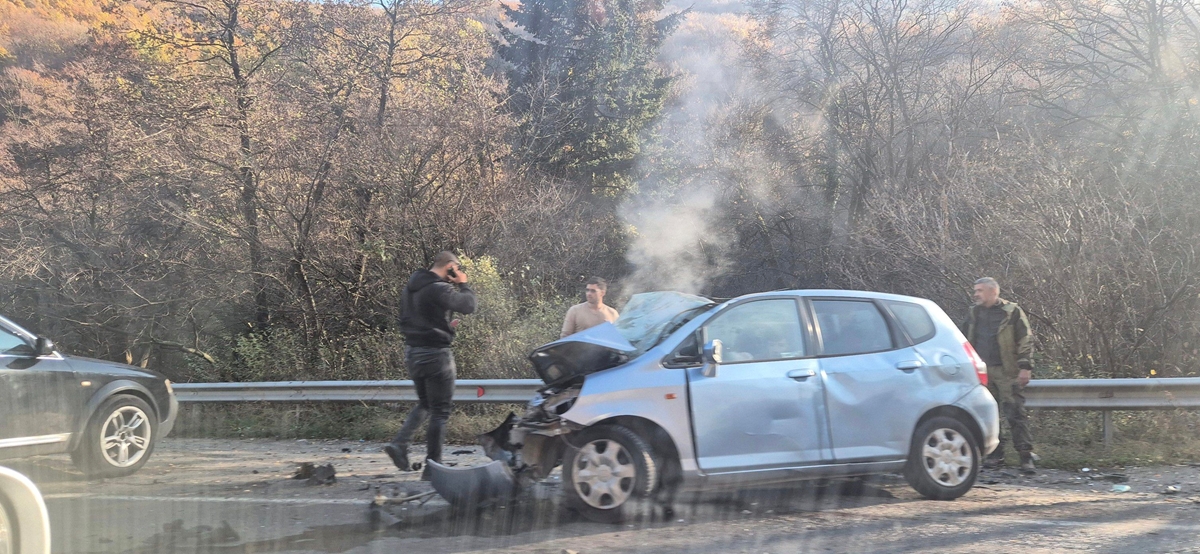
[(914, 319), (758, 331), (851, 327), (12, 344)]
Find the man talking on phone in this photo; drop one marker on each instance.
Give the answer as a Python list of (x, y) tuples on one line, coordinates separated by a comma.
[(427, 306)]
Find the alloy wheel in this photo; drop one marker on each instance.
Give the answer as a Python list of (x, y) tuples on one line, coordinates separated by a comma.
[(125, 436)]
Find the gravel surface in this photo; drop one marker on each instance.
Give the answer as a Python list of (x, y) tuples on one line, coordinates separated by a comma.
[(201, 495)]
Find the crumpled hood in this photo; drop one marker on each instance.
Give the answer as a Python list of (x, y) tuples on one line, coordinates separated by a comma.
[(608, 345)]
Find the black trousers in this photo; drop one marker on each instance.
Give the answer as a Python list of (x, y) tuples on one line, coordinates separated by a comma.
[(432, 372)]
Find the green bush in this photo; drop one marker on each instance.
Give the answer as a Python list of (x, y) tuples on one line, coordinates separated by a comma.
[(494, 342)]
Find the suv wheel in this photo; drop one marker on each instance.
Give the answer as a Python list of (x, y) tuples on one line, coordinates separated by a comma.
[(609, 477), (944, 459), (118, 439)]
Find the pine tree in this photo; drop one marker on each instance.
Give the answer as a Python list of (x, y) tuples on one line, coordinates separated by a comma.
[(584, 82)]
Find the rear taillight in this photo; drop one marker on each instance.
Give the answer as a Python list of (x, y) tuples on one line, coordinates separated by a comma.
[(980, 367)]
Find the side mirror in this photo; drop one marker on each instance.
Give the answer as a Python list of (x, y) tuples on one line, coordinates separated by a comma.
[(43, 347), (712, 358)]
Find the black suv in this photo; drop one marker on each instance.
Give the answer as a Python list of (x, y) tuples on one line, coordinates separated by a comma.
[(108, 416)]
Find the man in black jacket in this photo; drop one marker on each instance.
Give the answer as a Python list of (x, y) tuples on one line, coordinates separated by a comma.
[(427, 306)]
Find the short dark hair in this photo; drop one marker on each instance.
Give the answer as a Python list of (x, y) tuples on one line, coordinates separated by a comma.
[(445, 258), (988, 281), (599, 282)]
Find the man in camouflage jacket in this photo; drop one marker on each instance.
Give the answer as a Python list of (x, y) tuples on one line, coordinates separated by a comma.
[(999, 332)]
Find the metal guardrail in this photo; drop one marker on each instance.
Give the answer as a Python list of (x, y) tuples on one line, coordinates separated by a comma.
[(1105, 395), (465, 390), (1113, 394)]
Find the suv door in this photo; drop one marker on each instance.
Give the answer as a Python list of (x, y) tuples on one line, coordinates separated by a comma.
[(32, 393), (765, 406), (874, 382)]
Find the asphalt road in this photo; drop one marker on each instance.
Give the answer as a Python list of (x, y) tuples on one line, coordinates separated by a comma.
[(239, 497)]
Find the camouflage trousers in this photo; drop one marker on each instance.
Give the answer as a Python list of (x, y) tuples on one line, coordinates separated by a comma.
[(1011, 398)]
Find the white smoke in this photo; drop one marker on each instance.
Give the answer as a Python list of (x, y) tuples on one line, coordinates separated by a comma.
[(677, 240)]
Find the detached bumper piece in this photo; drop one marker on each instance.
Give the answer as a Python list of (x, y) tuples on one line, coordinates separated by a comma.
[(473, 486)]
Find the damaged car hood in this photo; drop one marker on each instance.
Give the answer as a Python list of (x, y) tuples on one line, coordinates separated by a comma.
[(645, 321)]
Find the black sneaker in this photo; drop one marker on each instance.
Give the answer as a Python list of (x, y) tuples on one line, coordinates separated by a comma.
[(426, 474), (399, 455)]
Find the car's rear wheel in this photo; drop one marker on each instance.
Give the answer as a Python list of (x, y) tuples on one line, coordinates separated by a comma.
[(943, 462), (118, 439), (609, 474)]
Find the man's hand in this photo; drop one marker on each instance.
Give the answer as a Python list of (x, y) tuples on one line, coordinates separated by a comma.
[(459, 277), (1024, 376)]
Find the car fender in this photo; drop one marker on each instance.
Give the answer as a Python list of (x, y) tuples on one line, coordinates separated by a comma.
[(982, 406), (108, 391), (26, 510), (653, 393)]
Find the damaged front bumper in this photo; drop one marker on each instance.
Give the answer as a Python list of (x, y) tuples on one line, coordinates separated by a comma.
[(524, 450)]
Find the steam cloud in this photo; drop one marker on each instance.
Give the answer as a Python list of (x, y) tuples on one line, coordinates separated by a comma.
[(674, 217)]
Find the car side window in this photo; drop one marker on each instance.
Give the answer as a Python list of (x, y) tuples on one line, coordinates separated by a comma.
[(851, 327), (914, 319), (12, 344), (758, 331)]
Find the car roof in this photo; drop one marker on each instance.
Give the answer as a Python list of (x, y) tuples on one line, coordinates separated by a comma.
[(837, 293)]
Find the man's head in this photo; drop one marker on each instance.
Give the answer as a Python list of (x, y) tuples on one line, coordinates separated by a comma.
[(596, 287), (443, 262), (987, 292)]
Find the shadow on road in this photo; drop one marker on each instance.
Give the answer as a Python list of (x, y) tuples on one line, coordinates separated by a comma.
[(527, 520), (46, 473)]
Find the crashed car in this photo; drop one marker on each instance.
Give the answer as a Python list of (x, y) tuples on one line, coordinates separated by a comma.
[(684, 394)]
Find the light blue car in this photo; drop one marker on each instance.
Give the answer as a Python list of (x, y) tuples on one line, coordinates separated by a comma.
[(683, 393)]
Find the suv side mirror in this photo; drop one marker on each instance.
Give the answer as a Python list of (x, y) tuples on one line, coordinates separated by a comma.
[(43, 347), (712, 358)]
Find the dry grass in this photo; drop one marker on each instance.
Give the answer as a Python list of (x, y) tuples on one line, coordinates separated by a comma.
[(1071, 440)]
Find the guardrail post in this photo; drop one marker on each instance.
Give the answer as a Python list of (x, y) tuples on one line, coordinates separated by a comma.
[(1108, 428)]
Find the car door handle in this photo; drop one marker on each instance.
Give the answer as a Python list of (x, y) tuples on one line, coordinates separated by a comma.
[(909, 365), (801, 374)]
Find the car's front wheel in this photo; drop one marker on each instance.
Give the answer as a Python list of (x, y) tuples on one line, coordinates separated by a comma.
[(608, 474), (118, 439), (944, 459)]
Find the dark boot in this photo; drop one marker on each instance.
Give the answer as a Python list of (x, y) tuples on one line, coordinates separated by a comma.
[(1027, 459), (399, 455)]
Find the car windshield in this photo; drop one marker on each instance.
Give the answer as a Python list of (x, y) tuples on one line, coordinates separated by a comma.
[(651, 317)]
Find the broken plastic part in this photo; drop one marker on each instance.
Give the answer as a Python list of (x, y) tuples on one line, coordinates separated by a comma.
[(473, 486)]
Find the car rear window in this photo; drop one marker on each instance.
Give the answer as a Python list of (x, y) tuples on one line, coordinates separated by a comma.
[(914, 319), (851, 327)]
